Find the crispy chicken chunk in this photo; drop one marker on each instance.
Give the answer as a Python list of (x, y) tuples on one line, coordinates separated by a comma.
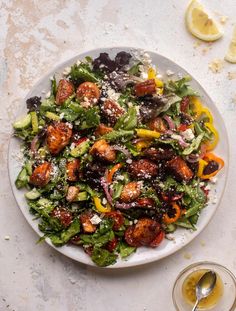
[(41, 175), (58, 136), (180, 169), (143, 169), (103, 150), (130, 192), (64, 90)]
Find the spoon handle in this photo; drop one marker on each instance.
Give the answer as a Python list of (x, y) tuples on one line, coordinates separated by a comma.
[(195, 306)]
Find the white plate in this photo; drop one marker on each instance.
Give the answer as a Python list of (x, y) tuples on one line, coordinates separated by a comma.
[(182, 236)]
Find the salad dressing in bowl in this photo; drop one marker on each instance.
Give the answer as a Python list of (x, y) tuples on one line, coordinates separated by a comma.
[(189, 290)]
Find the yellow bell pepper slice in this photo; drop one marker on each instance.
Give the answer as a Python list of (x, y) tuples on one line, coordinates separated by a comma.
[(212, 144), (142, 144), (100, 207), (153, 75), (201, 165), (207, 113), (197, 108), (143, 133)]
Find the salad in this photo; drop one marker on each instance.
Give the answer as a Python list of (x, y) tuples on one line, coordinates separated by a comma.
[(116, 157)]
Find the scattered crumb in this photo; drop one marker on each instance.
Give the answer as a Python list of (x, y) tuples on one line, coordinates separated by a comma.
[(169, 72), (72, 280), (187, 256), (197, 44), (203, 243), (234, 99), (231, 75), (223, 19), (206, 49), (216, 65), (7, 237)]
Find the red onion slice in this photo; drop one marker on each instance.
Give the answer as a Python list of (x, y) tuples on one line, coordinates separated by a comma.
[(106, 190), (192, 158), (33, 146), (125, 205), (123, 150), (170, 122)]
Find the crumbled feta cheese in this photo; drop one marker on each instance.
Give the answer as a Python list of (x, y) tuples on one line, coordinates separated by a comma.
[(188, 134), (95, 220), (129, 161), (48, 94), (72, 146), (120, 177), (70, 125), (169, 72), (7, 237), (208, 187), (135, 221), (214, 180), (78, 62), (144, 75), (66, 71), (61, 115), (104, 201), (175, 136)]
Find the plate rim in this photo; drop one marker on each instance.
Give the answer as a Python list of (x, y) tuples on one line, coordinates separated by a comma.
[(124, 263)]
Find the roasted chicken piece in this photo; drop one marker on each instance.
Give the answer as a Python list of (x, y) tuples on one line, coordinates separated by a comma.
[(63, 215), (72, 170), (143, 233), (64, 90), (72, 193), (103, 150), (88, 91), (58, 136), (145, 88), (41, 174), (130, 192), (86, 223), (102, 129), (158, 154), (143, 169), (157, 124), (112, 111), (180, 169)]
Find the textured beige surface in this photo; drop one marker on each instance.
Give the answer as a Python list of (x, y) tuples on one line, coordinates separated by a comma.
[(36, 35)]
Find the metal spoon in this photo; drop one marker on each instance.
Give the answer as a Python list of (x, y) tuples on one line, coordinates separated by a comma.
[(204, 286)]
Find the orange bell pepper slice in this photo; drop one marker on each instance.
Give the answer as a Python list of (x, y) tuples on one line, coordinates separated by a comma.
[(113, 171), (169, 220), (211, 157)]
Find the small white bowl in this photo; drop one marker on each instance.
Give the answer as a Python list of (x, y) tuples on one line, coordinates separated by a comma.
[(226, 303)]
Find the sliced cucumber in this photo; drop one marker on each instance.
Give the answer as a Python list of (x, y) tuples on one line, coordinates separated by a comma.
[(81, 149), (52, 116), (34, 121), (28, 166), (22, 179), (33, 194), (82, 196), (22, 123)]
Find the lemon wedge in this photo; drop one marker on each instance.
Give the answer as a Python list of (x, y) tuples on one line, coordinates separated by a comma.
[(201, 24), (231, 53)]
